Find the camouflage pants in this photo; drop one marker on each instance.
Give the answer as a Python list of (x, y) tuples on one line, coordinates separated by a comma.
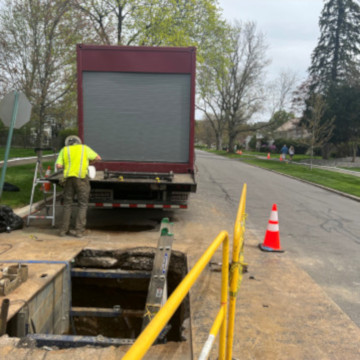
[(81, 188)]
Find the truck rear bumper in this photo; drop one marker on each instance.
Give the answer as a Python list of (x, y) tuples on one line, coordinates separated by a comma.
[(137, 206)]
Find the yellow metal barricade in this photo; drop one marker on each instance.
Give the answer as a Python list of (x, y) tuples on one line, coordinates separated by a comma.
[(151, 332), (236, 269)]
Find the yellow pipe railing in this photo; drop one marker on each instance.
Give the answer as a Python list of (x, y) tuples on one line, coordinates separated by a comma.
[(220, 320), (212, 335), (236, 269), (151, 332)]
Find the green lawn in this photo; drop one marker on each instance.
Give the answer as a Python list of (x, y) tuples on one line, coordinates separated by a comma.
[(21, 176), (20, 152), (351, 168), (343, 182)]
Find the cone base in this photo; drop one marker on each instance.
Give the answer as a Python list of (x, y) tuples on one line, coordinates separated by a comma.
[(268, 249)]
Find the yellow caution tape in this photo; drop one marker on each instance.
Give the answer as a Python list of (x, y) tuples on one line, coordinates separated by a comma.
[(150, 314), (239, 266)]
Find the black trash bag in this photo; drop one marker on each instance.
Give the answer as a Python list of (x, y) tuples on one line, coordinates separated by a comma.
[(10, 187), (8, 220)]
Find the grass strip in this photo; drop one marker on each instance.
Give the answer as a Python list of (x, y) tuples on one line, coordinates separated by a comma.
[(20, 152), (342, 182), (22, 176)]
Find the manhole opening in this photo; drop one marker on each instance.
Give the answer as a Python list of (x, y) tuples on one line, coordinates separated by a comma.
[(127, 294), (108, 299)]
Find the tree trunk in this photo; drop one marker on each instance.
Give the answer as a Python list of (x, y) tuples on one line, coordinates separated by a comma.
[(231, 143), (354, 151), (325, 151), (40, 131), (311, 157), (218, 141), (119, 28)]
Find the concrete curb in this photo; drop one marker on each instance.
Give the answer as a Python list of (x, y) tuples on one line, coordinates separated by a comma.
[(24, 211), (25, 160)]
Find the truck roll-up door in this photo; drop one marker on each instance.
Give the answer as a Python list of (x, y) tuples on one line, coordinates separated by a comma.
[(137, 116)]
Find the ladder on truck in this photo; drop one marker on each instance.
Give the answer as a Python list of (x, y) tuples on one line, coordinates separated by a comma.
[(157, 293), (40, 179)]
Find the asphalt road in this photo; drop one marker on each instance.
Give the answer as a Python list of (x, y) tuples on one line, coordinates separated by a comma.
[(319, 230)]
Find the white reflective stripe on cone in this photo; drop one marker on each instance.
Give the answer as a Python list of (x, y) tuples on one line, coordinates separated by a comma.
[(273, 227), (274, 216)]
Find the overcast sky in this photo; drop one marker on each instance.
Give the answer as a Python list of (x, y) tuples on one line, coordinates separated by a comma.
[(290, 26)]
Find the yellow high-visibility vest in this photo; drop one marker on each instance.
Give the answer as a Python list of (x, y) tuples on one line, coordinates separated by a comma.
[(75, 160)]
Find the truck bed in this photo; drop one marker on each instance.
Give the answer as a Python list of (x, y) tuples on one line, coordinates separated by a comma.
[(149, 190)]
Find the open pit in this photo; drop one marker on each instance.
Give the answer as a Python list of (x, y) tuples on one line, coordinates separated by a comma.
[(97, 299)]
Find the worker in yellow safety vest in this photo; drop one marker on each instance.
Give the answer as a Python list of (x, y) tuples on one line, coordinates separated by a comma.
[(74, 159)]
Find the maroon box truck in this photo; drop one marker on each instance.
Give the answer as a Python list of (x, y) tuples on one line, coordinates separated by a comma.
[(136, 108)]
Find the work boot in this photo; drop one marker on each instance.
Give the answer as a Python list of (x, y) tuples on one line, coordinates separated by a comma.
[(81, 234), (63, 233)]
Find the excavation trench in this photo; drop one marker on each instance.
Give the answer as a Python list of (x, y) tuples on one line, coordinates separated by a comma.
[(105, 298)]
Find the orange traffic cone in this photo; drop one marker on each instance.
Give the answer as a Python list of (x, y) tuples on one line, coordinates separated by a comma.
[(281, 157), (268, 155), (272, 235), (47, 185)]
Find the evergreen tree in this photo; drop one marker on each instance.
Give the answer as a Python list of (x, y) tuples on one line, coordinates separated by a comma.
[(334, 58), (344, 105)]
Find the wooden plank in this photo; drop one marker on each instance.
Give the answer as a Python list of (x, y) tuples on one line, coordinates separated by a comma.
[(39, 246)]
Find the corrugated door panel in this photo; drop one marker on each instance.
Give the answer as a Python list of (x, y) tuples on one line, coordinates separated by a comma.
[(137, 117)]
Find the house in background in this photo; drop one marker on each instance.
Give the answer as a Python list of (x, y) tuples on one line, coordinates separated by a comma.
[(290, 130)]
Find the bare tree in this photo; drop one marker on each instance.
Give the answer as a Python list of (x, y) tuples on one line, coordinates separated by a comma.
[(236, 92), (105, 17), (204, 133), (318, 132), (37, 53), (209, 99), (280, 91), (149, 22), (216, 121), (242, 89)]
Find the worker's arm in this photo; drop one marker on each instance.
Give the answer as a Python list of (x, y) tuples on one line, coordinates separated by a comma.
[(59, 164), (97, 158)]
